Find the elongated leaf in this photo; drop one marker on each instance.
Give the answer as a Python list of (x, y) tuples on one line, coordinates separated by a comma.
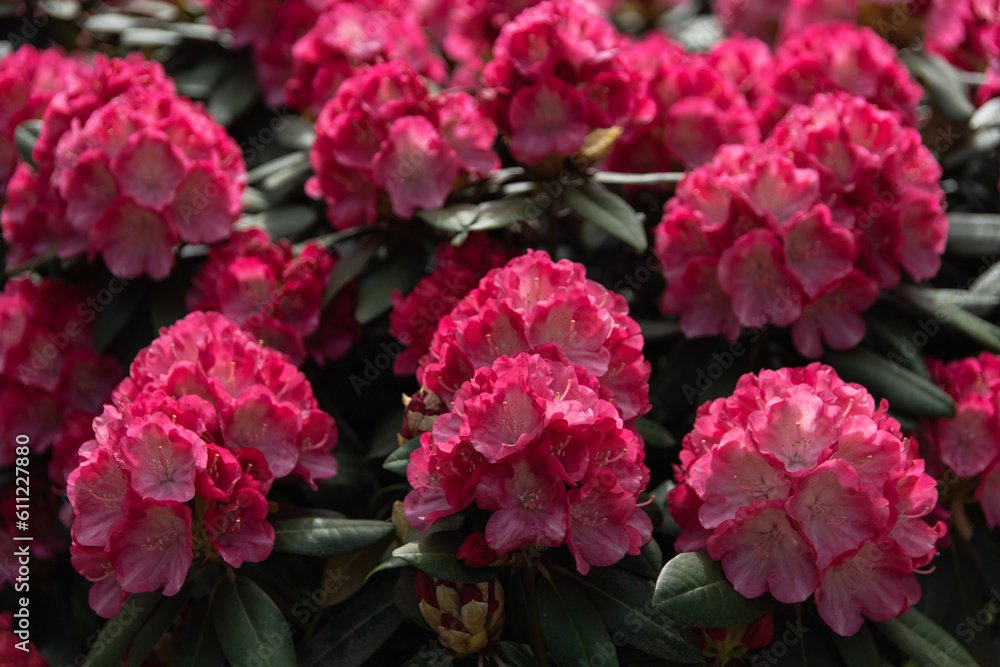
[(280, 223), (454, 219), (693, 589), (609, 212), (573, 629), (973, 233), (374, 290), (112, 317), (351, 638), (905, 390), (625, 604), (514, 654), (345, 574), (25, 138), (942, 82), (400, 459), (435, 555), (979, 330), (647, 563), (165, 614), (317, 536), (198, 645), (654, 434), (250, 627), (858, 650), (117, 634), (351, 265), (925, 641), (500, 213), (237, 90)]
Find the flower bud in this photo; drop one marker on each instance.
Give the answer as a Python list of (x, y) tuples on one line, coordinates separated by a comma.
[(466, 617)]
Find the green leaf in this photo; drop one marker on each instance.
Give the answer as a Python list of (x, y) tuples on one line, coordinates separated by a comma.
[(573, 629), (979, 330), (162, 618), (435, 555), (624, 603), (345, 574), (113, 317), (117, 634), (280, 223), (318, 536), (198, 645), (454, 219), (25, 138), (647, 563), (500, 213), (655, 434), (400, 459), (609, 212), (374, 290), (250, 627), (925, 641), (858, 650), (973, 234), (905, 390), (942, 82), (350, 266), (351, 638), (693, 589), (514, 654), (236, 92)]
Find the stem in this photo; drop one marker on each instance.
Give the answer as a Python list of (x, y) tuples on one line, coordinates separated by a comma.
[(538, 646)]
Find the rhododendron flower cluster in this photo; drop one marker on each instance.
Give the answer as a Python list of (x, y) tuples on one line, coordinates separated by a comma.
[(385, 133), (694, 110), (800, 485), (277, 296), (558, 72), (804, 230), (457, 271), (125, 169), (966, 32), (52, 382), (969, 443), (183, 458), (531, 302), (534, 440), (831, 57), (350, 34), (29, 79)]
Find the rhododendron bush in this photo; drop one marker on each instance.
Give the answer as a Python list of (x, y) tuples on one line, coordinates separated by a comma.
[(499, 332)]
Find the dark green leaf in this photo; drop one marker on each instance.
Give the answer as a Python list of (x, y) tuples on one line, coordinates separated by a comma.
[(925, 641), (905, 390), (858, 650), (399, 459), (351, 638), (973, 234), (25, 137), (514, 654), (655, 434), (500, 213), (693, 589), (609, 212), (167, 301), (625, 604), (979, 330), (317, 536), (435, 555), (647, 563), (454, 219), (351, 265), (162, 618), (345, 574), (405, 596), (250, 627), (113, 317), (198, 645), (574, 631), (374, 290), (236, 92), (280, 223), (117, 634), (942, 82)]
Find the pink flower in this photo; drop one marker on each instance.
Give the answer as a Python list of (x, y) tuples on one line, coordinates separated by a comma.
[(793, 481), (529, 305), (277, 296), (12, 648), (207, 419), (534, 441), (384, 131), (126, 169)]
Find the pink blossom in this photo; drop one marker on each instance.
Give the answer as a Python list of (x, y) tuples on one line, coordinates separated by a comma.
[(794, 482)]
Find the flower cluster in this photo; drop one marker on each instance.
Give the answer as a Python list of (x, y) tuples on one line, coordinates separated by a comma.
[(534, 441), (966, 32), (692, 109), (385, 133), (530, 302), (798, 484), (127, 169), (52, 382), (804, 230), (969, 443), (558, 72), (277, 296), (182, 460), (831, 57), (414, 318), (347, 35), (29, 79)]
